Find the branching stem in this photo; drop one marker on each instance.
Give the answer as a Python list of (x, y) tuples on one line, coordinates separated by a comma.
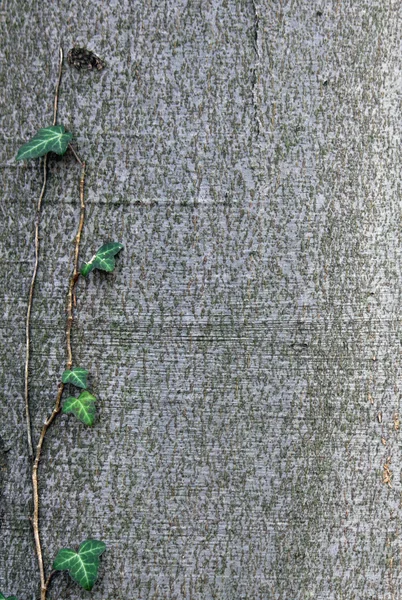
[(70, 316)]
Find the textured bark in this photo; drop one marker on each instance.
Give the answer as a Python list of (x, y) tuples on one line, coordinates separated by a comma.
[(247, 154)]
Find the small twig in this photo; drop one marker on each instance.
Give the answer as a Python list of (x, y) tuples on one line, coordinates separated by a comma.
[(70, 295), (75, 154), (35, 270), (49, 578)]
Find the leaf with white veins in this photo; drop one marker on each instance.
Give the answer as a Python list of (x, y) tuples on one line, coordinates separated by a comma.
[(82, 565), (82, 407), (49, 139), (103, 259), (76, 376)]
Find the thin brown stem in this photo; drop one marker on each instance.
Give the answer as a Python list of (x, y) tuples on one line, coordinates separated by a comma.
[(35, 519), (35, 270), (29, 309), (56, 95), (70, 315), (71, 292)]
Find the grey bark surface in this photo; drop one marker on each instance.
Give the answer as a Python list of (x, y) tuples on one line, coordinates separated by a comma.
[(247, 154)]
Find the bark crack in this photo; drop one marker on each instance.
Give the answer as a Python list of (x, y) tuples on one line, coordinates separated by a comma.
[(255, 76)]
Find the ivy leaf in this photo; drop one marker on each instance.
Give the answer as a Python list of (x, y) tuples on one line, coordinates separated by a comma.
[(103, 259), (9, 598), (77, 377), (82, 565), (49, 139), (82, 407)]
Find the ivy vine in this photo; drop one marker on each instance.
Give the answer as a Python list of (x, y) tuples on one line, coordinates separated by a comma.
[(82, 565)]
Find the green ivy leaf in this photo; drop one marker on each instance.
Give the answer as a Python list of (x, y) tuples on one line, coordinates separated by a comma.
[(76, 376), (9, 598), (103, 259), (82, 407), (82, 565), (49, 139)]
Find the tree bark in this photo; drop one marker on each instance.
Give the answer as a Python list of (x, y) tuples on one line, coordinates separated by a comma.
[(246, 350)]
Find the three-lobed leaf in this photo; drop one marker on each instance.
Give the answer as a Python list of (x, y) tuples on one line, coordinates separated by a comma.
[(82, 565), (77, 376), (103, 259), (82, 407), (49, 139), (9, 597)]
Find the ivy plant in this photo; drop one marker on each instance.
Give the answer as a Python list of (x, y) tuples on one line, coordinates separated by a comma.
[(83, 565)]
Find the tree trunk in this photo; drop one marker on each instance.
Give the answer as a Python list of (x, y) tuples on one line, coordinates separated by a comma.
[(246, 350)]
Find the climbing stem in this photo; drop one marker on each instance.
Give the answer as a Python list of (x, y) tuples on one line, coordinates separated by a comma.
[(71, 301), (35, 269), (70, 316), (29, 309)]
